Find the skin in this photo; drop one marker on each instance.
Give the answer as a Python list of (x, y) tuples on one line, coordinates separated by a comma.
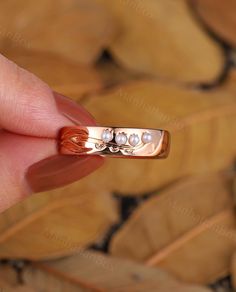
[(31, 115)]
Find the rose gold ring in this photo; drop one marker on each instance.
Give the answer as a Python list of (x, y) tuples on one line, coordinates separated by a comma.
[(114, 142)]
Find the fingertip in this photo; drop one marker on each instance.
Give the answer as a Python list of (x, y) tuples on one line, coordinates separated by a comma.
[(29, 107)]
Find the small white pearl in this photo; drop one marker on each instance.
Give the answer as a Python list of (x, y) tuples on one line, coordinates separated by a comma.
[(121, 139), (146, 138), (107, 136), (134, 139)]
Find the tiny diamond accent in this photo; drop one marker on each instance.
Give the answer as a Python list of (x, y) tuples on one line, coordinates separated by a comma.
[(114, 149), (100, 146)]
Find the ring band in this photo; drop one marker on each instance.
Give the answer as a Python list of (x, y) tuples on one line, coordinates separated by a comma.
[(114, 142)]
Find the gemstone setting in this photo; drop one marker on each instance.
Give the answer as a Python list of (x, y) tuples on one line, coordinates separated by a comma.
[(107, 136), (147, 138), (134, 140), (121, 139)]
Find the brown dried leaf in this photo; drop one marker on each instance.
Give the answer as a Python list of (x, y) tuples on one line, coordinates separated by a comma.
[(23, 288), (55, 223), (8, 276), (202, 125), (230, 83), (77, 29), (9, 281), (63, 76), (6, 287), (188, 230), (19, 288), (163, 39), (113, 74), (219, 16), (89, 271)]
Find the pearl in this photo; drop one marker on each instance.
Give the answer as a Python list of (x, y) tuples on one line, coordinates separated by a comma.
[(107, 136), (146, 138), (121, 139), (134, 139)]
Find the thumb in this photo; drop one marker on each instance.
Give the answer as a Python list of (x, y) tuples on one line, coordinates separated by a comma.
[(27, 104)]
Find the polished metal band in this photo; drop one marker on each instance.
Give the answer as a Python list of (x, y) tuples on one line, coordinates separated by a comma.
[(114, 142)]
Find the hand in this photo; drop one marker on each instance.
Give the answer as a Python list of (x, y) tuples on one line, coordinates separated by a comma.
[(30, 116)]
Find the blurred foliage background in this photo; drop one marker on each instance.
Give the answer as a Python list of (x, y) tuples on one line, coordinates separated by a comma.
[(133, 225)]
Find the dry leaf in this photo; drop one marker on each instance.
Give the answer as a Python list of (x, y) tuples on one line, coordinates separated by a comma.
[(9, 281), (20, 288), (202, 125), (113, 74), (187, 229), (219, 16), (77, 29), (5, 286), (55, 223), (63, 76), (229, 85), (163, 39), (8, 276), (90, 271)]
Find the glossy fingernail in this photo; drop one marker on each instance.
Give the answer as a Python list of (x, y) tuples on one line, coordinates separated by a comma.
[(60, 170), (73, 111)]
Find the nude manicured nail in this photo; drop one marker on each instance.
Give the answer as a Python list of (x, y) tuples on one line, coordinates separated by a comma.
[(60, 170), (73, 111)]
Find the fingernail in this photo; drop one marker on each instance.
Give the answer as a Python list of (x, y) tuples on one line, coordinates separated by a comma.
[(73, 111), (60, 170)]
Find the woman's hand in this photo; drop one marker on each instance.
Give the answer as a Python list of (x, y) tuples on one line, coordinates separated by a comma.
[(30, 116)]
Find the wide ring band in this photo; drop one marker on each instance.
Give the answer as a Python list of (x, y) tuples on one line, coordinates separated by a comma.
[(114, 142)]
